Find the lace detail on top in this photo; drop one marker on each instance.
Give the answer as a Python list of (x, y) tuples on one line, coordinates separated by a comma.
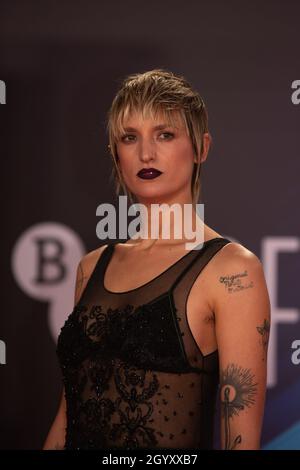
[(133, 373)]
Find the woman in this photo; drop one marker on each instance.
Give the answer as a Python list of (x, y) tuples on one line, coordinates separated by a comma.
[(153, 333)]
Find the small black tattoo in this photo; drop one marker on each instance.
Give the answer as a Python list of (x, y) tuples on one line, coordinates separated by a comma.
[(264, 331), (238, 391), (233, 282)]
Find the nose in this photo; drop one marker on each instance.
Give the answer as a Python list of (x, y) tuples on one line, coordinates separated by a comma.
[(147, 149)]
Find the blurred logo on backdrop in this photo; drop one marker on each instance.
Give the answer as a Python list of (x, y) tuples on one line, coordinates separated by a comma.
[(44, 264), (271, 249)]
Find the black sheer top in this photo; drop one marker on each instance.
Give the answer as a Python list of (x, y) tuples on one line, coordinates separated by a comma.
[(133, 373)]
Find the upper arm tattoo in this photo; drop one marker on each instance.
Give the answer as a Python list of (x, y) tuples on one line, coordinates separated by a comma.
[(264, 331), (235, 282), (237, 391)]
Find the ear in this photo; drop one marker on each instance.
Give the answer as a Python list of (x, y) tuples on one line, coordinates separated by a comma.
[(206, 141), (206, 146)]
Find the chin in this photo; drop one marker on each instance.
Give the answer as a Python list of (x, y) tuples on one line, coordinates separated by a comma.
[(146, 191), (154, 197)]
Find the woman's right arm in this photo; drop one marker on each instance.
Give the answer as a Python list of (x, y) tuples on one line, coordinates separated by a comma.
[(56, 436)]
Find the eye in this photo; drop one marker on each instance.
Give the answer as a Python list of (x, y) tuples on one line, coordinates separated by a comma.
[(131, 137), (124, 137), (169, 135)]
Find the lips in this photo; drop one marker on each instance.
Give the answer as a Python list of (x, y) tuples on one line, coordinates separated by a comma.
[(149, 173)]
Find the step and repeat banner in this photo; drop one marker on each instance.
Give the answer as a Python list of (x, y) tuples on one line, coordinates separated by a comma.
[(60, 66)]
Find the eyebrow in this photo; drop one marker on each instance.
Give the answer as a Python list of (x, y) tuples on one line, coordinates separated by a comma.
[(159, 127)]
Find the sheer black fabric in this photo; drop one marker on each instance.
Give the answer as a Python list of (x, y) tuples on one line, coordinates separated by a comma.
[(133, 373)]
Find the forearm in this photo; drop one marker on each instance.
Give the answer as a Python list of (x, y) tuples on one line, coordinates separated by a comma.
[(56, 436), (242, 395)]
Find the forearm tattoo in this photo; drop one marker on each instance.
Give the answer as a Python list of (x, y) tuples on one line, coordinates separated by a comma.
[(237, 391), (264, 331), (236, 282)]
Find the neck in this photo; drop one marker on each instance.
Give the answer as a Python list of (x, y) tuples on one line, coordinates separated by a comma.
[(171, 222)]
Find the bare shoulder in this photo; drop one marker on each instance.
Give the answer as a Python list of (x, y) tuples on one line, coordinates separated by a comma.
[(89, 260), (85, 268), (233, 255), (236, 272)]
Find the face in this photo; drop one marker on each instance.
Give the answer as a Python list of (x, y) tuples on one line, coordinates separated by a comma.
[(152, 144)]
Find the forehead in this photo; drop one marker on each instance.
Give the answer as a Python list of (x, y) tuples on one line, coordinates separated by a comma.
[(137, 119)]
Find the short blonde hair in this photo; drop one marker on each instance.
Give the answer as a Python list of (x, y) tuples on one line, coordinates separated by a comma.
[(150, 93)]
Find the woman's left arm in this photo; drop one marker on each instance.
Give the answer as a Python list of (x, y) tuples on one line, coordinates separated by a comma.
[(242, 315)]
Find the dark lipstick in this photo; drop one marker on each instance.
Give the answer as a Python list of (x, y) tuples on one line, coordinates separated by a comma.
[(148, 173)]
